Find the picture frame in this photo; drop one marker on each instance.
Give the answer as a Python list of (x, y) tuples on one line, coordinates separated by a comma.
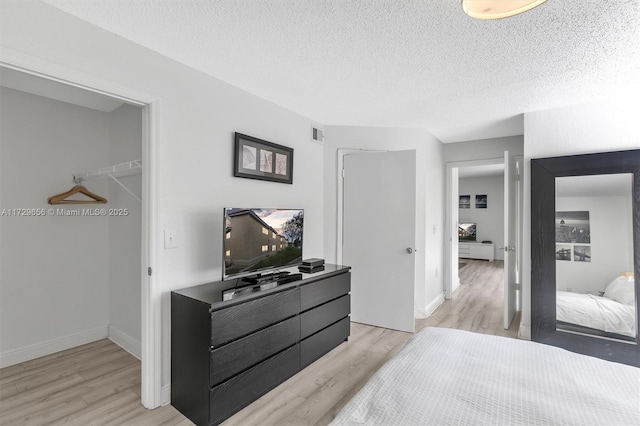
[(464, 202), (481, 201), (573, 227), (259, 159)]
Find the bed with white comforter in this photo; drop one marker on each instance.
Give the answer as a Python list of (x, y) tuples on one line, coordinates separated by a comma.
[(614, 312), (596, 312), (454, 377)]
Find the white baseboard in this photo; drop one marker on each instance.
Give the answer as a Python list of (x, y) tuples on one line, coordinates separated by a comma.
[(524, 332), (52, 346), (434, 304), (125, 341), (165, 398)]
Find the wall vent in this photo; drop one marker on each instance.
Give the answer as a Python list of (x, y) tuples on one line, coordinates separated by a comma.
[(317, 134)]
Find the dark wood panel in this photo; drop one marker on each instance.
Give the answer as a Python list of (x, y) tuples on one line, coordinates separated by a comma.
[(543, 261), (319, 292), (322, 342), (318, 318), (241, 354), (238, 392), (240, 320), (190, 357)]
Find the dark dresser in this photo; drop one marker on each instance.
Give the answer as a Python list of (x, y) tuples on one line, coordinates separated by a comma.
[(225, 354)]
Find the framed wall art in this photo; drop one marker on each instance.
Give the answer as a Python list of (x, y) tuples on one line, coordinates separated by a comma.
[(258, 159)]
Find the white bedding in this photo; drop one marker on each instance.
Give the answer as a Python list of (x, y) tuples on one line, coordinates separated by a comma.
[(600, 313), (454, 377)]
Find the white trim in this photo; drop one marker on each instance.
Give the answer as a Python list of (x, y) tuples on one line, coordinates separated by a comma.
[(524, 332), (434, 304), (151, 297), (125, 341), (42, 68), (52, 346), (166, 394), (150, 294)]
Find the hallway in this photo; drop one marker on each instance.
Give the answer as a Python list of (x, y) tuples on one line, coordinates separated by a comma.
[(477, 305)]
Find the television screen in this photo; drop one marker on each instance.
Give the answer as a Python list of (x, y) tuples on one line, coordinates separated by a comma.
[(467, 231), (261, 240)]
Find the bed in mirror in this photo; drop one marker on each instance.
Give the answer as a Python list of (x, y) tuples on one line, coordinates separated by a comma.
[(584, 253), (595, 292)]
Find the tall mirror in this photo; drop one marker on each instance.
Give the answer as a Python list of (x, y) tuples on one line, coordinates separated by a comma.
[(585, 253), (595, 292)]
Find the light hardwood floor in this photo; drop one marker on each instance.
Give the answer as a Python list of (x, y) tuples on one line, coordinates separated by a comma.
[(99, 383)]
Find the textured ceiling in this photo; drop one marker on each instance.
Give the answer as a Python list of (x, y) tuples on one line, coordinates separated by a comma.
[(402, 63)]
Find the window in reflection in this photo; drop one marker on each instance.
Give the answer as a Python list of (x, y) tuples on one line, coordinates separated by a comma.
[(594, 256)]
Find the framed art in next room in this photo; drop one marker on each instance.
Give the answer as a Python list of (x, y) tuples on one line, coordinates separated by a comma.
[(258, 159)]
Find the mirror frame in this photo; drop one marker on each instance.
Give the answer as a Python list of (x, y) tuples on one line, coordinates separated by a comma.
[(543, 261)]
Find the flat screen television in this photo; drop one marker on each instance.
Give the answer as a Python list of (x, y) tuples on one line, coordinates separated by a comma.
[(258, 240), (467, 231)]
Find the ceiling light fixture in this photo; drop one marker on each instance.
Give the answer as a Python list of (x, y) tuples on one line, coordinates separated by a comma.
[(496, 9)]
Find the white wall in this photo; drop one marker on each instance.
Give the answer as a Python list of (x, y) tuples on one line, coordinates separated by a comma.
[(489, 221), (483, 149), (197, 115), (125, 144), (429, 201), (611, 227), (53, 269), (577, 129)]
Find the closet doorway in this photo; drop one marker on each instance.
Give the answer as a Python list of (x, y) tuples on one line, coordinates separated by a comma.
[(75, 273)]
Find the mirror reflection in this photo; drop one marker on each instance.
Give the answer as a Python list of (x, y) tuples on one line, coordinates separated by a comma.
[(594, 256)]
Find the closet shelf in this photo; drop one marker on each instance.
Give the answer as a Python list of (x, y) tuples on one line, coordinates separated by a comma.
[(119, 170), (129, 168)]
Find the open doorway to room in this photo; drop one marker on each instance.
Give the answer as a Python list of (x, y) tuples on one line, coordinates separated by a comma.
[(483, 225)]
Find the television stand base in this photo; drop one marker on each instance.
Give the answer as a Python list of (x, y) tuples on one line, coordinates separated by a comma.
[(263, 278)]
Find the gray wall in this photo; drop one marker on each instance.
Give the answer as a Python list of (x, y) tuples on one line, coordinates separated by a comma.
[(54, 270), (125, 144), (489, 221)]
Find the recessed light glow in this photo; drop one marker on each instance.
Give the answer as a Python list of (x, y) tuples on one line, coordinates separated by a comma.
[(496, 9)]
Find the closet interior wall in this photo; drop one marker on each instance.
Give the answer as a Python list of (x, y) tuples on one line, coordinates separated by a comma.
[(65, 279)]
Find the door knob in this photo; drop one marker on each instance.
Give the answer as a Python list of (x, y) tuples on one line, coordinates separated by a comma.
[(409, 250)]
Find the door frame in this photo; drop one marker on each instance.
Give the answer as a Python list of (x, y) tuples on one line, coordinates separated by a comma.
[(451, 213), (451, 280), (151, 331)]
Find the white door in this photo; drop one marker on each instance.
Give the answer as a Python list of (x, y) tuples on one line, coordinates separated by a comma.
[(509, 243), (379, 237)]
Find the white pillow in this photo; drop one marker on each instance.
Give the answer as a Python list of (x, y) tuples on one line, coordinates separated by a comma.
[(621, 290)]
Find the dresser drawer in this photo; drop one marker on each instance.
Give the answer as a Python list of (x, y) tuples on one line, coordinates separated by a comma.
[(319, 292), (322, 342), (242, 319), (241, 354), (318, 318), (234, 394)]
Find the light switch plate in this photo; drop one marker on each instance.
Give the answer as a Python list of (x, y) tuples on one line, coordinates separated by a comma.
[(170, 241)]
